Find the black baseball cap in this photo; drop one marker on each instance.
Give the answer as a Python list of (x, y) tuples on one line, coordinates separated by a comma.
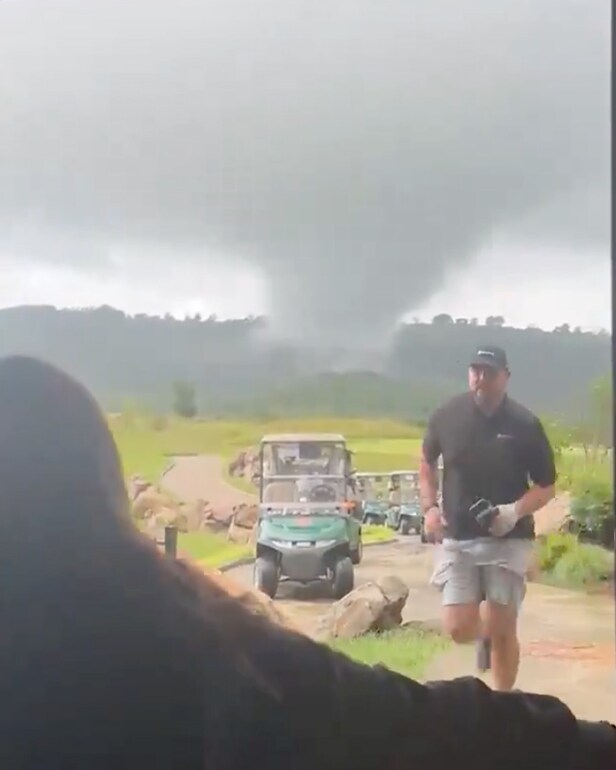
[(490, 355)]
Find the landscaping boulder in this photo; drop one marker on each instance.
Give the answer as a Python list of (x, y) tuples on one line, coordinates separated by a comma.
[(242, 527), (150, 501), (374, 606), (199, 514), (237, 464), (245, 515), (240, 535), (164, 517), (245, 464), (135, 486)]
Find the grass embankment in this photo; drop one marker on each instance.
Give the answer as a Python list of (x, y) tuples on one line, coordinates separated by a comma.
[(406, 651), (146, 444), (210, 549)]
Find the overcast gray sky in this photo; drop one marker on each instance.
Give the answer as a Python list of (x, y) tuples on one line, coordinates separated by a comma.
[(336, 164)]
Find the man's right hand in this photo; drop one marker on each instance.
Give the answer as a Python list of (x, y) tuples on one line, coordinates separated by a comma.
[(433, 523)]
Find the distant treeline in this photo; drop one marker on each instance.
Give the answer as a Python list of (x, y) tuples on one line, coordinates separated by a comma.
[(235, 370)]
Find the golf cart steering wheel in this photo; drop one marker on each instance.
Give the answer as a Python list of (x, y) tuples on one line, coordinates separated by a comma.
[(322, 494)]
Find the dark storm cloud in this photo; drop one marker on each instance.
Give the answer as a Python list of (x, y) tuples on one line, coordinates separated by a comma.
[(352, 150)]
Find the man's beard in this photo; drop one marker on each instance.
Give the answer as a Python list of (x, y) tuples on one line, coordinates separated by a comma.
[(487, 404)]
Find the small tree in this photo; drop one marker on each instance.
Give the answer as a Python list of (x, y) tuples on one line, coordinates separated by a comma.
[(184, 399)]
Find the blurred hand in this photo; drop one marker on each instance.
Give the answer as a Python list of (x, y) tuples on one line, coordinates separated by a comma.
[(433, 523), (505, 520)]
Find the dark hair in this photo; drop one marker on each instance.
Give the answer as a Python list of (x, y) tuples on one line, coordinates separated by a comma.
[(101, 636)]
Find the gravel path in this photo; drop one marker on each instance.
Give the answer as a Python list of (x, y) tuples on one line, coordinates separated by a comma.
[(567, 637)]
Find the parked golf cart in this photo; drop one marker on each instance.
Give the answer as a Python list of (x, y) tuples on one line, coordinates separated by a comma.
[(404, 514), (373, 504), (309, 524)]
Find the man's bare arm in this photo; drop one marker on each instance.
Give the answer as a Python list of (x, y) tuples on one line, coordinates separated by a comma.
[(428, 484), (534, 499)]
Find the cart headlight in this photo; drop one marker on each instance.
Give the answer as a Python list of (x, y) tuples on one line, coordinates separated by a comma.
[(324, 543)]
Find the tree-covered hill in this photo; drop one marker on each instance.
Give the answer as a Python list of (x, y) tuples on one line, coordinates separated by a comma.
[(235, 369)]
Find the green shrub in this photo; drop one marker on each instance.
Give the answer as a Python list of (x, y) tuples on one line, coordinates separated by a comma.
[(589, 480), (565, 561), (584, 565), (552, 548)]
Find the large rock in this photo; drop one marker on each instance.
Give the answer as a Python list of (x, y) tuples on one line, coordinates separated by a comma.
[(135, 486), (199, 514), (237, 465), (150, 501), (374, 606), (240, 535), (245, 464), (165, 517), (245, 515)]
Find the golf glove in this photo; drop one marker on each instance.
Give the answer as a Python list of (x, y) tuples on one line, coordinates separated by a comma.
[(505, 520)]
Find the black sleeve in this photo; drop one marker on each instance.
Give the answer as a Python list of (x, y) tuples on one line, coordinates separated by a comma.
[(541, 466), (431, 447), (330, 712)]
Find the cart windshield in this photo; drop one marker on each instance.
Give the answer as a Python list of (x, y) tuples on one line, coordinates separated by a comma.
[(311, 471)]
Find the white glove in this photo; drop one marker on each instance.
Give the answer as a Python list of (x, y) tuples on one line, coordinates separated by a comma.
[(506, 520)]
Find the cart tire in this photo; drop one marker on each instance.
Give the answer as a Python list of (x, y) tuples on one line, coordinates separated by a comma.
[(344, 577), (265, 575), (405, 527), (356, 555)]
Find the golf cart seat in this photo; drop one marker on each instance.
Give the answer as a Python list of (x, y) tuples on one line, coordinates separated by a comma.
[(280, 492)]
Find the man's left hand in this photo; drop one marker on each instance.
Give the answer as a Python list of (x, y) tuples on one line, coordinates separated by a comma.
[(505, 520)]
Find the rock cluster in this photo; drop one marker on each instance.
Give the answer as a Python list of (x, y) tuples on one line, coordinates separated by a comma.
[(245, 465)]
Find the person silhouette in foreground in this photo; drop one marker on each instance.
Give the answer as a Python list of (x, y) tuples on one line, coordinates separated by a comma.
[(115, 656)]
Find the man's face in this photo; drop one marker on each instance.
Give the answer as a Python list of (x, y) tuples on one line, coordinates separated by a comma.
[(487, 384)]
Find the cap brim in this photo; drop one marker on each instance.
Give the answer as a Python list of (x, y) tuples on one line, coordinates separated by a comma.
[(487, 362)]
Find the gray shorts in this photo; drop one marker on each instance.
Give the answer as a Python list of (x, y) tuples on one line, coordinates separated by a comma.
[(469, 571)]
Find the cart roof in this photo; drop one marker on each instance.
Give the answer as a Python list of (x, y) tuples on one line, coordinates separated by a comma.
[(294, 438)]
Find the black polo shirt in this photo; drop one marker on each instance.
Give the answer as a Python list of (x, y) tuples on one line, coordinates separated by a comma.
[(491, 457)]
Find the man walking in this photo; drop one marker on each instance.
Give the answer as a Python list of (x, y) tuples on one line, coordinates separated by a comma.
[(491, 446)]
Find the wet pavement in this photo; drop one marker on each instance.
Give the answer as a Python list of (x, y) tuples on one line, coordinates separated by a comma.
[(566, 637)]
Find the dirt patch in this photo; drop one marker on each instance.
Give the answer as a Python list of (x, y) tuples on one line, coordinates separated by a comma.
[(601, 654), (201, 478)]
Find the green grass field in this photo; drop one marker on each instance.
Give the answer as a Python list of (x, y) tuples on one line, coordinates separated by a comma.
[(405, 651), (147, 444), (386, 454), (210, 549)]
